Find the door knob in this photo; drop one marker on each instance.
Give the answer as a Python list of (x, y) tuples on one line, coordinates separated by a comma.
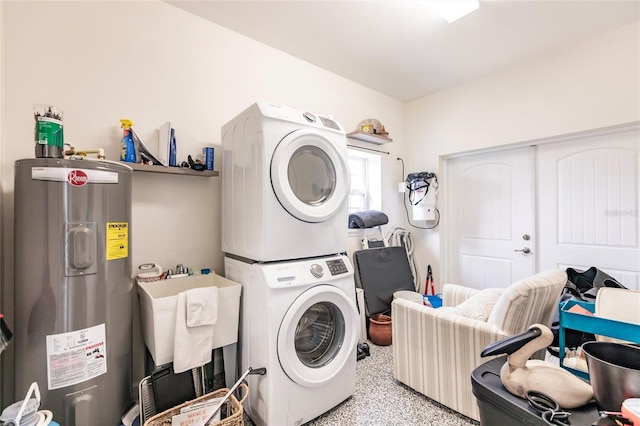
[(525, 250)]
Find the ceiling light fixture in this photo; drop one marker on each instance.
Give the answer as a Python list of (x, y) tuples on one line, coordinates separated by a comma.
[(452, 10)]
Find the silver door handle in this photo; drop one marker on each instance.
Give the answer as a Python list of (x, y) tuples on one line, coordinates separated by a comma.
[(525, 250)]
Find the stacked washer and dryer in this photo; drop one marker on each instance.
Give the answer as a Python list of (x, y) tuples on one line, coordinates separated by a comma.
[(284, 234)]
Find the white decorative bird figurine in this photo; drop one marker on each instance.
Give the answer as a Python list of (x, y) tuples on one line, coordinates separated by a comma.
[(521, 374)]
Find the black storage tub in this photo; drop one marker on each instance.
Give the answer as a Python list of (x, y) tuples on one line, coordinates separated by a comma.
[(498, 407)]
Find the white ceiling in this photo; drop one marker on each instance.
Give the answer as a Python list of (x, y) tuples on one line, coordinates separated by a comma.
[(403, 49)]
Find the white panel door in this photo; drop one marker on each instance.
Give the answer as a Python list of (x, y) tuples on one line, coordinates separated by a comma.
[(491, 218), (589, 205)]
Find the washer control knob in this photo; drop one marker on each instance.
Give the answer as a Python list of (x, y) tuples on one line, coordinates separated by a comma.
[(309, 117), (316, 270)]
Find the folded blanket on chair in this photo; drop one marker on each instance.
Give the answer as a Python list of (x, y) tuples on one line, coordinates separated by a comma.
[(367, 219)]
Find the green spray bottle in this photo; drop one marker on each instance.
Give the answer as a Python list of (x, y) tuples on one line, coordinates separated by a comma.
[(128, 149)]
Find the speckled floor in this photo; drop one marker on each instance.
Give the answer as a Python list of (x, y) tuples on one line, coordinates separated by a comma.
[(380, 400)]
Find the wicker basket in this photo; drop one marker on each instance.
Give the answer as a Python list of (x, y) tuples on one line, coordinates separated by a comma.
[(235, 419)]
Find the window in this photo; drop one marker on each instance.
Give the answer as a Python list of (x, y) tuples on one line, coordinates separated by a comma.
[(365, 170)]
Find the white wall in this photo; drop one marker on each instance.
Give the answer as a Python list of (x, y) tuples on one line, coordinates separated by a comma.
[(593, 85), (152, 62)]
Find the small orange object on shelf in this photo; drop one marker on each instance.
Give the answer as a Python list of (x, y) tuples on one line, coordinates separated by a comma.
[(577, 309)]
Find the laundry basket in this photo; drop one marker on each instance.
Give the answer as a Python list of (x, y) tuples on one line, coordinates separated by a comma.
[(233, 407)]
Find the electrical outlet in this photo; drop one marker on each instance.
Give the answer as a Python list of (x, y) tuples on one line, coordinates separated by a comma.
[(402, 187), (430, 213)]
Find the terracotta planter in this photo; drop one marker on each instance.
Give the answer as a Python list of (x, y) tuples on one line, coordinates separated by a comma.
[(380, 329)]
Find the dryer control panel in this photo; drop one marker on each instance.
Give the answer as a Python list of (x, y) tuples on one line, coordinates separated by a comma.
[(327, 122)]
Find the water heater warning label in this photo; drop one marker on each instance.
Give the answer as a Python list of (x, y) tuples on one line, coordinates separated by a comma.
[(76, 356), (117, 240)]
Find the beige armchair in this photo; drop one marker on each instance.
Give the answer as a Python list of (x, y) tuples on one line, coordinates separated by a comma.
[(435, 350)]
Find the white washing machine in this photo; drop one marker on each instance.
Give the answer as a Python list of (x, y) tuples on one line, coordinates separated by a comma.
[(299, 320), (285, 184)]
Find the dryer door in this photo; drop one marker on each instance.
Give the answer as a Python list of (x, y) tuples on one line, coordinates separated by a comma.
[(318, 335), (309, 176)]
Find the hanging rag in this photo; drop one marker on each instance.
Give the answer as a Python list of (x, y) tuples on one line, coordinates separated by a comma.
[(196, 316), (583, 286), (367, 219), (202, 306)]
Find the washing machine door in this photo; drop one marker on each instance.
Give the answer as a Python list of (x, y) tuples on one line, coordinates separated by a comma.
[(318, 335), (309, 175)]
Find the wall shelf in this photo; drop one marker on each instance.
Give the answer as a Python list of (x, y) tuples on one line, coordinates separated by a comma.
[(172, 170), (369, 137)]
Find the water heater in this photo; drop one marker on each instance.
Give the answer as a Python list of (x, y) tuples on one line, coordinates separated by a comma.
[(73, 288)]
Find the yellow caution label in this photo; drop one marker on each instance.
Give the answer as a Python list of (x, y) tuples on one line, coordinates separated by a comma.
[(117, 240)]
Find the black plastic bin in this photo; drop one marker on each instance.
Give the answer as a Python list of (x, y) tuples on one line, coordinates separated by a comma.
[(498, 407)]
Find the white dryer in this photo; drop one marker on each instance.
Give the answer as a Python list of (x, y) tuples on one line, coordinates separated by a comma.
[(299, 320), (285, 184)]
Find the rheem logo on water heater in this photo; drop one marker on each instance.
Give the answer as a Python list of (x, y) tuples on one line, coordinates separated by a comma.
[(77, 178)]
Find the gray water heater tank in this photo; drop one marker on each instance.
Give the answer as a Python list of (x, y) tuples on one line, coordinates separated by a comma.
[(73, 287)]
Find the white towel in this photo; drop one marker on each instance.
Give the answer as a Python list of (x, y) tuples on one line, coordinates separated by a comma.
[(192, 345), (202, 306)]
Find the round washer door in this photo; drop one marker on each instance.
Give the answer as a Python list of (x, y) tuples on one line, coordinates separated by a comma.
[(318, 335), (309, 176)]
